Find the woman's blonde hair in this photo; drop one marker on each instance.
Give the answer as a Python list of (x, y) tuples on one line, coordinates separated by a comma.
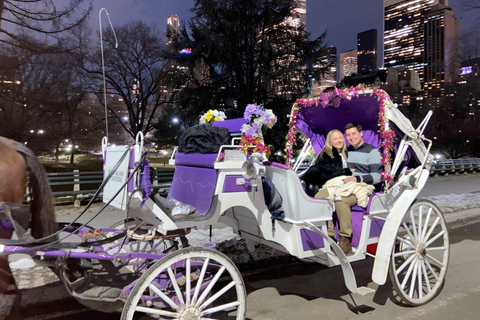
[(328, 145)]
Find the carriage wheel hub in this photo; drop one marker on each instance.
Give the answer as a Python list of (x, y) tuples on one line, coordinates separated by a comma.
[(421, 250), (190, 313)]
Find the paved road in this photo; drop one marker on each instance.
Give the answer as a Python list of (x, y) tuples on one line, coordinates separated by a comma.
[(311, 291), (455, 184), (314, 291)]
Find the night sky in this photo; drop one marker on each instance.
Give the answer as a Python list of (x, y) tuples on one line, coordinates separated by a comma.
[(342, 19)]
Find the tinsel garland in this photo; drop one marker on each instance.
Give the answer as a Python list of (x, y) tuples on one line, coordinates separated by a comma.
[(386, 134)]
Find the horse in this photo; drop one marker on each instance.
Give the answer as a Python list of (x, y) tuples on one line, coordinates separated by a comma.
[(17, 162)]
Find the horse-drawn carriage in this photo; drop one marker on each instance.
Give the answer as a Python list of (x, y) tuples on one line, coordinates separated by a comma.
[(143, 265)]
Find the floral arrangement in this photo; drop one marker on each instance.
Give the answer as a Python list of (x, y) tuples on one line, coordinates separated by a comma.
[(386, 134), (259, 120), (212, 115)]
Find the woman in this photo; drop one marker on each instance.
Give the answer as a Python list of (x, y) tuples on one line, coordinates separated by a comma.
[(331, 162)]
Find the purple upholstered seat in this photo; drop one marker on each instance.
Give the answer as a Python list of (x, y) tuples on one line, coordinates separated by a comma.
[(194, 180)]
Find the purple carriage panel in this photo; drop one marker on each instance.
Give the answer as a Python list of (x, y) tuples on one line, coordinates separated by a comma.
[(311, 240), (194, 181), (230, 184)]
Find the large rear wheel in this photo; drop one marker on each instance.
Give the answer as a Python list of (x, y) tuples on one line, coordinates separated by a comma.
[(192, 283), (420, 257)]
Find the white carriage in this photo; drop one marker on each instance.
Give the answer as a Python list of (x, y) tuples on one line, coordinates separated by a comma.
[(406, 236)]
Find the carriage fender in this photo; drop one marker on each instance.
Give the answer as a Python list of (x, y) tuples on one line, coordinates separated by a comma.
[(390, 228)]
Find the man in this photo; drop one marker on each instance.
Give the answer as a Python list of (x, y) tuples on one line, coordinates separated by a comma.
[(364, 160)]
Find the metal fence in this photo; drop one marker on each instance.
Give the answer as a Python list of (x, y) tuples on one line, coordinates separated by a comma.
[(444, 166), (81, 184), (455, 166)]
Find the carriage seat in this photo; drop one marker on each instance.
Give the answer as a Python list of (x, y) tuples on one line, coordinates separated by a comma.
[(194, 180)]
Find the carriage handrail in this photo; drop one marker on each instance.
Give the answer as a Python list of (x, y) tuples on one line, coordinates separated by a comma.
[(303, 154)]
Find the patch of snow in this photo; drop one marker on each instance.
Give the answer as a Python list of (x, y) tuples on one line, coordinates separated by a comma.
[(198, 238), (23, 263), (456, 202)]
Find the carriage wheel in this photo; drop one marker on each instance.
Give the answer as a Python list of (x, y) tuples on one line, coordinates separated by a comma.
[(185, 285), (420, 258)]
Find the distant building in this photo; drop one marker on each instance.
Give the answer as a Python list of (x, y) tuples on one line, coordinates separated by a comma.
[(173, 27), (298, 17), (400, 83), (420, 35), (376, 78), (348, 63), (330, 78), (367, 51), (442, 63), (9, 72)]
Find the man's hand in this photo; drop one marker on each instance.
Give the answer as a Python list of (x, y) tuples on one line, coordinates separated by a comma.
[(353, 179)]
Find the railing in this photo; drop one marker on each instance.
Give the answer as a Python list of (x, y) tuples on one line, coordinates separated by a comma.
[(444, 166), (455, 166), (80, 184)]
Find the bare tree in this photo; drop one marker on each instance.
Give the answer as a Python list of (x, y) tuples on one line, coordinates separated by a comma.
[(24, 22), (135, 74)]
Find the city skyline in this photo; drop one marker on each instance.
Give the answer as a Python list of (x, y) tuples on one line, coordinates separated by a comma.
[(342, 19)]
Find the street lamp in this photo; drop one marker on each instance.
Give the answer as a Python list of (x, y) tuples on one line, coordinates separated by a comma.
[(175, 120)]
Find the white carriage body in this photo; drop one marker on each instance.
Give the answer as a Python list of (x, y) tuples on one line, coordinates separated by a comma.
[(246, 212)]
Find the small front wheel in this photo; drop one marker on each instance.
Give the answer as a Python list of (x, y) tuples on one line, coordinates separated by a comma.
[(192, 283), (420, 257)]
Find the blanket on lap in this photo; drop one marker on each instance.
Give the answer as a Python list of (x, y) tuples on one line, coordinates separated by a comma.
[(337, 189)]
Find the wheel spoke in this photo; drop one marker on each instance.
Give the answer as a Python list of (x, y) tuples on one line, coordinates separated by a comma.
[(211, 284), (434, 238), (434, 273), (222, 307), (406, 242), (433, 226), (405, 263), (188, 280), (409, 271), (427, 279), (200, 280), (159, 312), (419, 231), (175, 285), (414, 226), (170, 302), (217, 295), (404, 253), (413, 280), (420, 282), (438, 263), (436, 248), (407, 229), (425, 228)]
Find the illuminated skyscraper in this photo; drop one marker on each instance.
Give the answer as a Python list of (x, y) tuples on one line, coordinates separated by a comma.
[(173, 27), (420, 35), (329, 79), (442, 64), (367, 51), (348, 63)]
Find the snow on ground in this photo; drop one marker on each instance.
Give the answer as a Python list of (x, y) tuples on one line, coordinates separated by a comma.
[(197, 238), (457, 202)]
